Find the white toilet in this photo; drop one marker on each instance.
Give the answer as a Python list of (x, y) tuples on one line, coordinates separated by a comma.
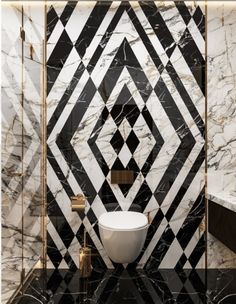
[(123, 234)]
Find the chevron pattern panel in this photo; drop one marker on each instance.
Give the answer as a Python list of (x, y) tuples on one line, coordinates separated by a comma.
[(126, 91)]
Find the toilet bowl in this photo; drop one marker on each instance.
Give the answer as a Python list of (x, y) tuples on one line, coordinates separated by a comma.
[(123, 234)]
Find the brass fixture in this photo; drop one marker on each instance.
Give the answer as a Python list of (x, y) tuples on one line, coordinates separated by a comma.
[(122, 177), (78, 202), (85, 260), (15, 174), (202, 227), (149, 218)]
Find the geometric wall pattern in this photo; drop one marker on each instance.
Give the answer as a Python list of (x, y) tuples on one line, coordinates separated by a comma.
[(126, 91)]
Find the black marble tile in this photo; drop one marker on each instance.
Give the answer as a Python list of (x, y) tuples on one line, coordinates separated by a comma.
[(117, 141), (89, 31), (58, 58), (122, 286)]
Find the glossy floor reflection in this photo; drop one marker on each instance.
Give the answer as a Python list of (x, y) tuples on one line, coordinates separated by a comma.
[(131, 287)]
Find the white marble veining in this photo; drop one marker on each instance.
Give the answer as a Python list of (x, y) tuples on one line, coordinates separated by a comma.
[(222, 188), (11, 152), (221, 133), (21, 146), (223, 198), (219, 256), (33, 68), (140, 81), (222, 88)]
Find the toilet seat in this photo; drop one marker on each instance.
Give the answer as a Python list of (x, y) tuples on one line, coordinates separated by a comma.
[(123, 220)]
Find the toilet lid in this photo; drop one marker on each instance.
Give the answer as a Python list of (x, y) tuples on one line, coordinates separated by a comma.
[(123, 220)]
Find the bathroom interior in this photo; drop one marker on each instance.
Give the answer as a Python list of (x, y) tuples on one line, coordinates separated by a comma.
[(118, 152)]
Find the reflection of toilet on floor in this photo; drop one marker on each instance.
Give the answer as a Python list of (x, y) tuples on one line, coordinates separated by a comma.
[(123, 234)]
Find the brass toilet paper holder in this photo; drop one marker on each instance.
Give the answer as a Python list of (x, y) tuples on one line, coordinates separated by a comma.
[(78, 203)]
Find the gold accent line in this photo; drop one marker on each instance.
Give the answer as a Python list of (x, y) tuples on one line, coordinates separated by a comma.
[(44, 147), (206, 133)]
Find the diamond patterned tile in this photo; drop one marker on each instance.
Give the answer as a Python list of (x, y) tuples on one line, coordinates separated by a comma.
[(135, 110)]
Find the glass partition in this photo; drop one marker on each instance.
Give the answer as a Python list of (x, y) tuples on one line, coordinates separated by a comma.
[(22, 136)]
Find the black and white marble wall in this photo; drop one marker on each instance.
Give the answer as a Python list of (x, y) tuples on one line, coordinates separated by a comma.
[(21, 141), (221, 120), (126, 91)]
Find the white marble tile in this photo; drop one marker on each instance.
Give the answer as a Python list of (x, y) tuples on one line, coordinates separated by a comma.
[(191, 195), (125, 155), (11, 151), (54, 38), (189, 82), (174, 21), (124, 29), (149, 32), (80, 15), (224, 198), (21, 216), (100, 31), (218, 255), (172, 256), (221, 88), (221, 120), (32, 192), (198, 38)]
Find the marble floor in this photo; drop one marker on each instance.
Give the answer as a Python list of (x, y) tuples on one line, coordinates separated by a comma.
[(131, 287)]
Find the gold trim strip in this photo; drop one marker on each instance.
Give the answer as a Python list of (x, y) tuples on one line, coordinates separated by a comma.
[(44, 146)]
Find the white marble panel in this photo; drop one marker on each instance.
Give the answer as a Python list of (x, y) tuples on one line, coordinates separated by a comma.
[(221, 120), (21, 135), (11, 151)]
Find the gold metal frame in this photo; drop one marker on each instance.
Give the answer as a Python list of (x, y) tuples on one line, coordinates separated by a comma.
[(44, 145)]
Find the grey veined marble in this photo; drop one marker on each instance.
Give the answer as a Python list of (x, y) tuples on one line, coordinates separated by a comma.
[(21, 142), (221, 115)]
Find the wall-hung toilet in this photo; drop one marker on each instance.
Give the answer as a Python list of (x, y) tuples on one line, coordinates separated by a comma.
[(123, 234)]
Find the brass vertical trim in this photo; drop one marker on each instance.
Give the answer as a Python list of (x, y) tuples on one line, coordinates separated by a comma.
[(44, 147), (206, 132), (22, 142)]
